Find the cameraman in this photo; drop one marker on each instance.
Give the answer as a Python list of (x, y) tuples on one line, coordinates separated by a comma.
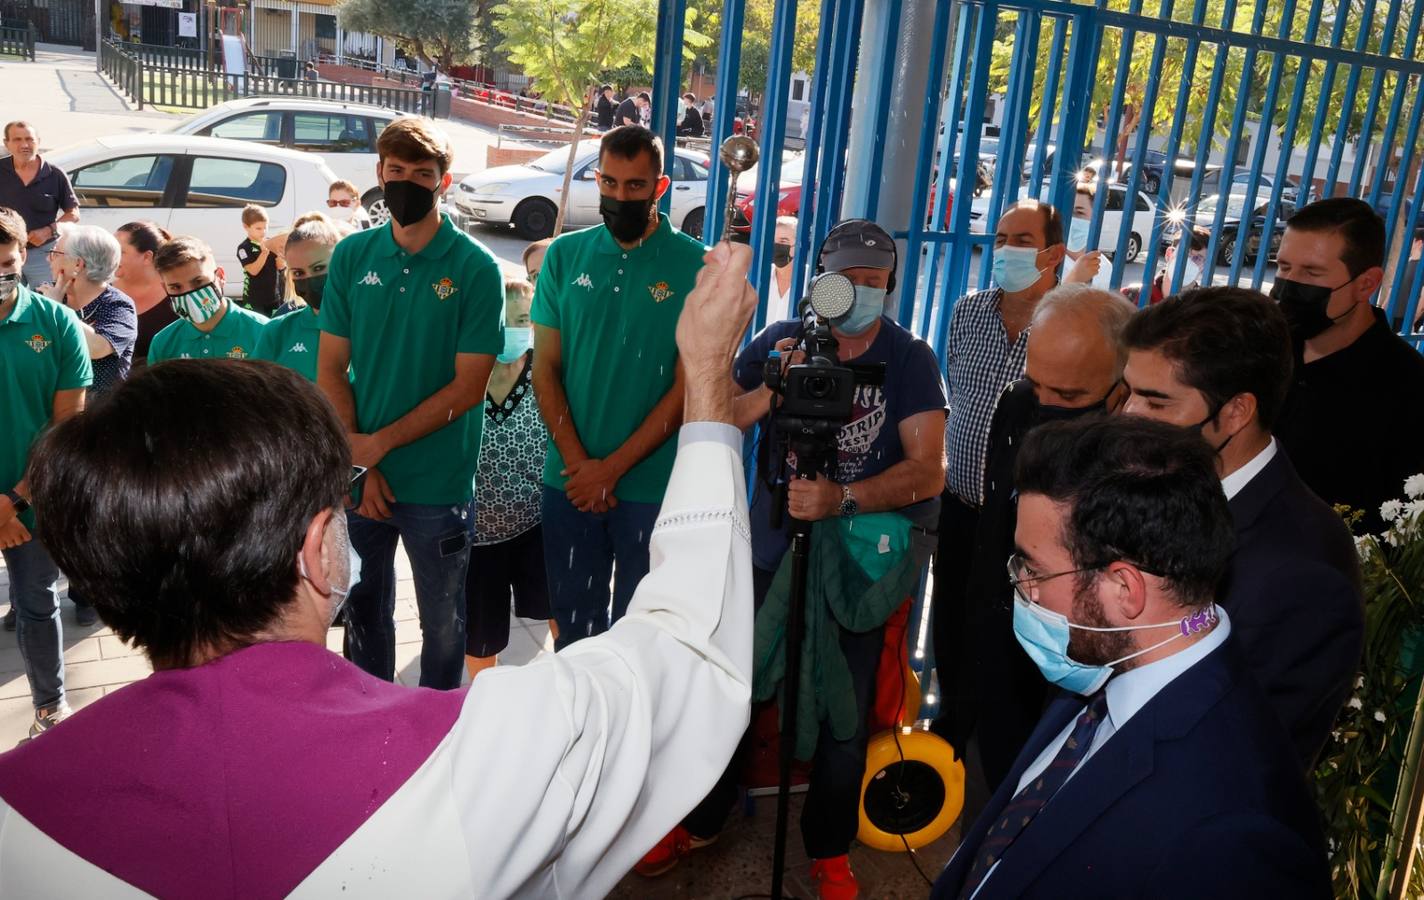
[(890, 456)]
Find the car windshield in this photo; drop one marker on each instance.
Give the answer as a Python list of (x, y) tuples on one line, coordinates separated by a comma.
[(556, 161)]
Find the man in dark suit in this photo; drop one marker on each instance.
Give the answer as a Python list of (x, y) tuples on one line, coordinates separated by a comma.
[(1167, 776), (1073, 368), (1219, 360)]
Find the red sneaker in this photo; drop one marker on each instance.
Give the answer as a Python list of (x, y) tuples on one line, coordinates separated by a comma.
[(834, 879)]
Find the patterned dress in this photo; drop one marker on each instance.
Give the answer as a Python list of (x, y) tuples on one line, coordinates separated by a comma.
[(507, 483)]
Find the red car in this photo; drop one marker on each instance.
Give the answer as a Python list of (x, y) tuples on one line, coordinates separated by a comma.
[(789, 204)]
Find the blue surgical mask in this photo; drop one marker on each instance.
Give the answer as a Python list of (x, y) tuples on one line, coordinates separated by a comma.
[(1044, 636), (1078, 235), (517, 342), (1016, 268), (869, 307)]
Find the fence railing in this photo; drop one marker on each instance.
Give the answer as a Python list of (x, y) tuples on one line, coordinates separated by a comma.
[(168, 76), (18, 42)]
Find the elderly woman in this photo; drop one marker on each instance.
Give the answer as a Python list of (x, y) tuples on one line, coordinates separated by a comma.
[(83, 263), (254, 762)]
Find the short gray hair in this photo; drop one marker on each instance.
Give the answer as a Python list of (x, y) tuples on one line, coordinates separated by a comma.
[(1111, 309), (95, 247)]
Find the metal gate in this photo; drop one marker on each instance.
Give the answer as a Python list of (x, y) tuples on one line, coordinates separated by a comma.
[(53, 21), (1266, 103)]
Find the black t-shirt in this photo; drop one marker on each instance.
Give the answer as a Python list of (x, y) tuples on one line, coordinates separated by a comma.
[(1351, 423), (41, 201), (626, 110), (259, 292), (604, 107), (155, 319)]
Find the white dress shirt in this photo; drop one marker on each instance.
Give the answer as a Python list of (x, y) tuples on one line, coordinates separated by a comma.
[(1233, 484)]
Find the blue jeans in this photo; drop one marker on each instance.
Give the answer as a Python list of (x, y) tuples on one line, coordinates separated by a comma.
[(34, 594), (436, 539), (579, 552), (36, 269)]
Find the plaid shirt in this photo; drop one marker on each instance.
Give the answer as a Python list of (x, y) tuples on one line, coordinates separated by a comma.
[(979, 363)]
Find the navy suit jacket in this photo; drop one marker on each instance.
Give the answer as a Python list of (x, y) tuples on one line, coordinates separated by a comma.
[(1293, 594), (1198, 795)]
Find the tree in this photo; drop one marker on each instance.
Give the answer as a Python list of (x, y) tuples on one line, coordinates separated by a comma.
[(756, 38), (439, 32), (563, 45)]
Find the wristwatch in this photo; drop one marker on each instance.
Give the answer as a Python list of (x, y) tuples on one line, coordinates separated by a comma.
[(848, 505), (20, 503)]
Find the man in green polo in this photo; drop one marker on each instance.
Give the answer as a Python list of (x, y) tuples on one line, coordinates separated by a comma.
[(209, 326), (46, 365), (609, 384), (292, 339), (412, 315)]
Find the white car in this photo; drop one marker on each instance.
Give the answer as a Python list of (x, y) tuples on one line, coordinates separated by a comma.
[(1141, 228), (342, 134), (527, 196), (193, 186)]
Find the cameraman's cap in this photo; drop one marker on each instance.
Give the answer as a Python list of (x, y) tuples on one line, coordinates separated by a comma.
[(858, 242)]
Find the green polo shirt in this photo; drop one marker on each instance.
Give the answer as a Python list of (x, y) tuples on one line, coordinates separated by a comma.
[(42, 351), (407, 317), (616, 311), (235, 337), (291, 340)]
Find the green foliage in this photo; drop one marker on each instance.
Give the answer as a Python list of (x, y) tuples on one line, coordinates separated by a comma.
[(443, 32), (1358, 776), (756, 38)]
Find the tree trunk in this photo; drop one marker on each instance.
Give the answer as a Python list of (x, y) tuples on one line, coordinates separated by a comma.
[(573, 155)]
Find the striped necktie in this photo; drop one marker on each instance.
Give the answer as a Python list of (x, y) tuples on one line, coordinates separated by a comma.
[(1026, 804)]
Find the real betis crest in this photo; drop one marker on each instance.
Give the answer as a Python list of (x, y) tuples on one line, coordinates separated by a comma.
[(237, 353), (38, 343), (444, 288), (660, 291)]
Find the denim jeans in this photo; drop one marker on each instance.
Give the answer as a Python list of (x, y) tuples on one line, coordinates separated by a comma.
[(580, 550), (34, 595), (436, 539), (36, 269)]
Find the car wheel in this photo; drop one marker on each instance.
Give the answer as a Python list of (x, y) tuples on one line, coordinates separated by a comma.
[(1226, 250), (1154, 184), (375, 203), (534, 219), (1134, 246), (692, 225)]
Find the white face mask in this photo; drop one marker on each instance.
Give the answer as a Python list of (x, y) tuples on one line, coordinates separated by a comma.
[(339, 593), (345, 213)]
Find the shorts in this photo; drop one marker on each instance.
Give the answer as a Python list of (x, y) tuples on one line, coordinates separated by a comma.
[(497, 571)]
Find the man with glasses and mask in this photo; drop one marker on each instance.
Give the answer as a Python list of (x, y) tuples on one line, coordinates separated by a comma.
[(1073, 369), (1343, 425), (47, 369), (1160, 771), (293, 339), (209, 325), (609, 384), (1217, 361), (985, 353), (412, 315)]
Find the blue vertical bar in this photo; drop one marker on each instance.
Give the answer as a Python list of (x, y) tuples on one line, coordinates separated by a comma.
[(849, 68), (1077, 106), (1283, 159), (1174, 146), (920, 198), (1347, 111), (773, 134), (1376, 88), (1114, 122), (1045, 107), (816, 120), (1322, 105), (1144, 130), (729, 64), (1411, 307), (1208, 128), (1227, 180), (1410, 221), (667, 82), (882, 110), (844, 48), (1396, 107), (1258, 158), (1012, 138)]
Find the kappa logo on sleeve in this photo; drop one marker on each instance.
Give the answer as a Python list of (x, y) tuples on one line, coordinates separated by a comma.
[(298, 347), (445, 289), (38, 343), (583, 281)]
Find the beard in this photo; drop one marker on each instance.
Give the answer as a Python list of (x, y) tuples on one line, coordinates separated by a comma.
[(1096, 648)]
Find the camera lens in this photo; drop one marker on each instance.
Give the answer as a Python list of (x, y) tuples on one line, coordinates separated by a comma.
[(818, 387)]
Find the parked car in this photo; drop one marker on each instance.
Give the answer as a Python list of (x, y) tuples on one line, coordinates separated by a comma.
[(1241, 181), (527, 196), (1205, 217), (788, 197), (1143, 213), (342, 134), (193, 185)]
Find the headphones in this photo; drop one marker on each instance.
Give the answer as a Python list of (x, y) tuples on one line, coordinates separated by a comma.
[(846, 234)]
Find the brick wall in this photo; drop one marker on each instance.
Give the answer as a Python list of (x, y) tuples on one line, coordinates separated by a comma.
[(509, 156)]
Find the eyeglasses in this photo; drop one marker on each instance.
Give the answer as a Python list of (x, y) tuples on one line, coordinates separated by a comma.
[(1022, 575), (332, 204)]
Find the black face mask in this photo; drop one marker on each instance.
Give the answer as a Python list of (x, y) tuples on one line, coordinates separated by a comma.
[(408, 202), (626, 219), (310, 289), (1306, 307), (1207, 421), (1048, 413), (781, 255)]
